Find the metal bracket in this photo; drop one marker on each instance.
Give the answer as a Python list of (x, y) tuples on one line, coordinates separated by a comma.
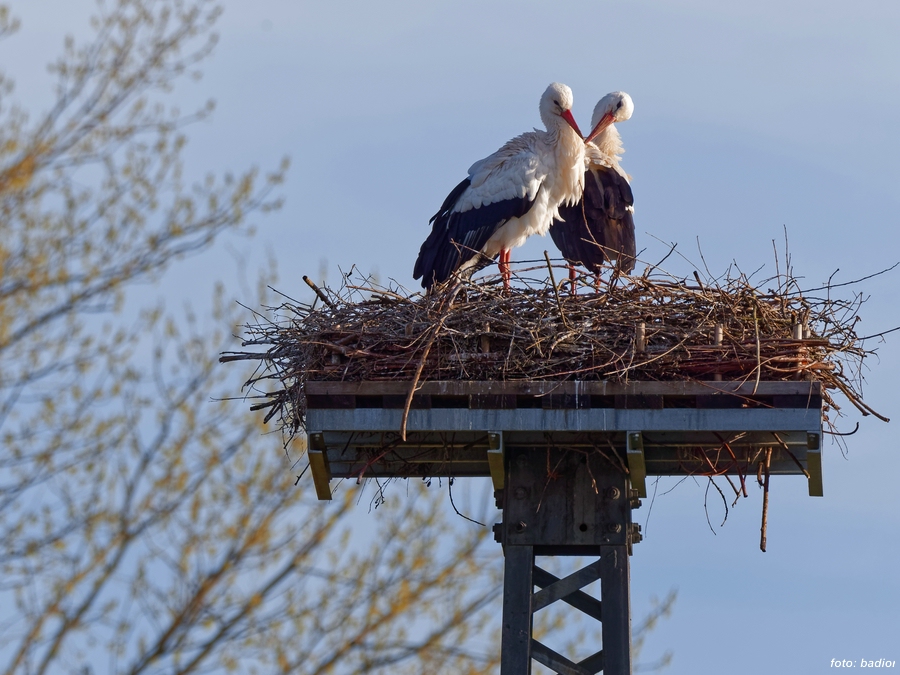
[(637, 466), (495, 456), (318, 464), (814, 463)]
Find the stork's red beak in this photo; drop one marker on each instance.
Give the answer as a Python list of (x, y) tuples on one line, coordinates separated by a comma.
[(604, 122), (567, 116)]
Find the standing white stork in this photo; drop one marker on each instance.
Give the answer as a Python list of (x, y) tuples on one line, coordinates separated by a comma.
[(601, 226), (508, 196)]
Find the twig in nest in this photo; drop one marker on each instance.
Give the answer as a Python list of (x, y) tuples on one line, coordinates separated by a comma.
[(415, 380), (555, 290), (860, 405), (758, 359), (364, 338), (322, 296), (765, 508), (784, 446)]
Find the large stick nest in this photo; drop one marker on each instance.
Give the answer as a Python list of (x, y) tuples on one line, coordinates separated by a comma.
[(649, 327)]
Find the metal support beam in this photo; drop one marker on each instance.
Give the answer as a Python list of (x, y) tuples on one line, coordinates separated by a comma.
[(565, 502), (615, 581), (515, 649), (519, 604), (568, 461)]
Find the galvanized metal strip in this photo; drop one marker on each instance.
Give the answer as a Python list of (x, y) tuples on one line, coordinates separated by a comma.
[(814, 463), (536, 419), (637, 464), (318, 465), (496, 464)]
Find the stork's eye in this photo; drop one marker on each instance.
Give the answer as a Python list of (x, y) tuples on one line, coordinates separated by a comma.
[(556, 102), (618, 105)]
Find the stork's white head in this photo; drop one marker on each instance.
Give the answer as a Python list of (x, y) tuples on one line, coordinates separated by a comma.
[(556, 105), (616, 106)]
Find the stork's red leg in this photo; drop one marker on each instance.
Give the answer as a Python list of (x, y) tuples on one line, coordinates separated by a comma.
[(504, 268), (572, 277)]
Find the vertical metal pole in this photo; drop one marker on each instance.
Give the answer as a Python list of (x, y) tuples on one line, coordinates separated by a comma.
[(616, 609), (518, 589)]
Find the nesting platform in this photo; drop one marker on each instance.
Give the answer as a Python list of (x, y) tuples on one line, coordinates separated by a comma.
[(648, 428)]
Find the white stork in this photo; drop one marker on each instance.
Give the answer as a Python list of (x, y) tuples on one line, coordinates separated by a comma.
[(601, 226), (508, 196)]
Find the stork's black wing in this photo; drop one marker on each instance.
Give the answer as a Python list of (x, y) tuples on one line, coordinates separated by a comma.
[(457, 236), (600, 227)]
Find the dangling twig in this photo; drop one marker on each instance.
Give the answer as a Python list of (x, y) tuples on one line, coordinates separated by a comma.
[(765, 509)]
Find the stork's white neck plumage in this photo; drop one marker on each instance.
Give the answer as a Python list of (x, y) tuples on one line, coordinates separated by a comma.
[(609, 142), (567, 185)]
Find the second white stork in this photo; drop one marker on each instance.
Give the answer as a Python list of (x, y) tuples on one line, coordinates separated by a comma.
[(601, 226), (508, 196)]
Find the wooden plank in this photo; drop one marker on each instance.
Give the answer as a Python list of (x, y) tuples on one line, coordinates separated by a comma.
[(572, 388)]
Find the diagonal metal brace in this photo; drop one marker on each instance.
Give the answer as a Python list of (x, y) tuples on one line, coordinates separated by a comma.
[(562, 588), (559, 663), (577, 599)]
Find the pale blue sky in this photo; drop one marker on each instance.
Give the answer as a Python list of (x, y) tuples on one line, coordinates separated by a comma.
[(748, 117)]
